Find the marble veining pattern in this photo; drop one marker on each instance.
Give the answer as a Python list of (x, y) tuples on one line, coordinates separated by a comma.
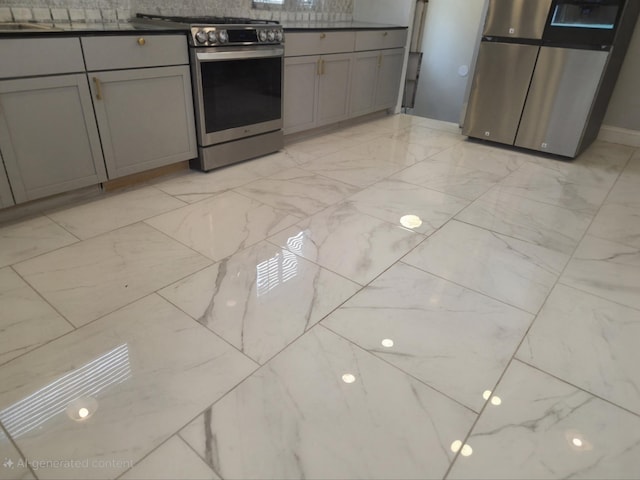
[(346, 308), (297, 418)]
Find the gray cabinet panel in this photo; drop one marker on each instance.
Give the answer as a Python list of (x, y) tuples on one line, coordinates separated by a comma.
[(500, 84), (333, 88), (24, 57), (145, 118), (48, 136), (560, 98), (363, 84), (6, 198), (300, 78), (134, 51), (388, 84), (517, 18)]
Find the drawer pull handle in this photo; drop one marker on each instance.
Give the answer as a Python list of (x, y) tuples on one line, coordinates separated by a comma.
[(96, 80), (141, 41), (385, 34), (323, 35)]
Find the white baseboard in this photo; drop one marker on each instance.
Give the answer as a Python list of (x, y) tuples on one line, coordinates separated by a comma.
[(619, 135)]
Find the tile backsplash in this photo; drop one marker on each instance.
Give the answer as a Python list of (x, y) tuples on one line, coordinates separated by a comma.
[(89, 11)]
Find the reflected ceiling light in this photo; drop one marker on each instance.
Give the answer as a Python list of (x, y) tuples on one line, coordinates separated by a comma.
[(466, 451), (387, 343), (496, 401), (577, 442), (82, 408), (231, 303), (410, 221), (486, 394), (83, 413), (348, 378), (455, 446)]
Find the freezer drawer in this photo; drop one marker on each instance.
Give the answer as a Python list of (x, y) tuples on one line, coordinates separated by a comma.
[(516, 18), (500, 84), (562, 92)]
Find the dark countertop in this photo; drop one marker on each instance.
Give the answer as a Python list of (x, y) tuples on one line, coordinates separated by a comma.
[(66, 29), (324, 26)]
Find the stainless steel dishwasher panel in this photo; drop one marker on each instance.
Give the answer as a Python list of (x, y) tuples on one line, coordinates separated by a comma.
[(516, 18), (500, 84), (560, 99)]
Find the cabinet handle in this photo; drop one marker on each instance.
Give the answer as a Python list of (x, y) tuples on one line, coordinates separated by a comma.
[(96, 80), (141, 41), (379, 59), (323, 35), (385, 34), (320, 66)]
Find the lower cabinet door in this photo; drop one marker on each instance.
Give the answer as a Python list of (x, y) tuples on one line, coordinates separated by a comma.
[(363, 82), (145, 117), (333, 88), (300, 80), (389, 74), (48, 136)]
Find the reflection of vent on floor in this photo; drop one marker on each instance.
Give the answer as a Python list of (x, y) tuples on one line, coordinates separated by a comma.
[(86, 381)]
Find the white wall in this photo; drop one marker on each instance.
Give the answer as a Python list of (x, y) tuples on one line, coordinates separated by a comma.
[(392, 12), (452, 28)]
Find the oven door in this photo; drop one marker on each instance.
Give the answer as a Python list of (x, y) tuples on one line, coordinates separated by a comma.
[(238, 92)]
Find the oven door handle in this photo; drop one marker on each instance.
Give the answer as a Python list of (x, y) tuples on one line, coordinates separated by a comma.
[(238, 54)]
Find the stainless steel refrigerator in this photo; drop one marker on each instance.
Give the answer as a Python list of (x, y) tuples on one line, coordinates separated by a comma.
[(546, 70)]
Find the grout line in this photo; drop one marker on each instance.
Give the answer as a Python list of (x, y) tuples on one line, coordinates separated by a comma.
[(17, 448)]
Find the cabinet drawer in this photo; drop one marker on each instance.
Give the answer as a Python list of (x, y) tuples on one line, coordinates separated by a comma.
[(380, 39), (318, 43), (134, 51), (27, 57)]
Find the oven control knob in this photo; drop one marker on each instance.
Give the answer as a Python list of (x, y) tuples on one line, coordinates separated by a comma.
[(201, 36), (279, 35), (212, 37), (271, 35), (223, 37), (262, 35)]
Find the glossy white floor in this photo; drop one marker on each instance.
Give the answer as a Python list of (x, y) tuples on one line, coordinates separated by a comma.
[(387, 301)]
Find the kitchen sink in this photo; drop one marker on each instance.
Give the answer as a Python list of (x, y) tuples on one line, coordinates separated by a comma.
[(24, 27)]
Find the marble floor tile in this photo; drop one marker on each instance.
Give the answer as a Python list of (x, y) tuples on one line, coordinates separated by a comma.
[(450, 127), (555, 188), (606, 269), (299, 417), (402, 149), (589, 342), (298, 192), (540, 223), (451, 179), (348, 242), (30, 238), (12, 465), (278, 162), (196, 186), (453, 339), (352, 167), (115, 211), (599, 165), (260, 299), (539, 427), (172, 460), (222, 225), (27, 321), (399, 202), (140, 374), (619, 218), (325, 144), (89, 279), (511, 270), (477, 156)]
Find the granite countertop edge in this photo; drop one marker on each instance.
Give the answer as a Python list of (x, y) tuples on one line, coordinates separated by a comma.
[(337, 26)]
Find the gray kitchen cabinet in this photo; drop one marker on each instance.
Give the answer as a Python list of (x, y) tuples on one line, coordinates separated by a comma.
[(145, 117), (6, 197), (141, 89), (388, 78), (48, 136), (316, 90)]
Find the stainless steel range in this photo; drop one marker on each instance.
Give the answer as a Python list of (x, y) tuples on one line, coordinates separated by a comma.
[(237, 71)]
